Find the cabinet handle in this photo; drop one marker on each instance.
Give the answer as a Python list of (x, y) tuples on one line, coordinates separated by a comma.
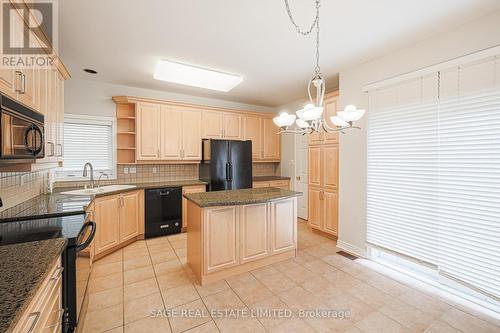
[(51, 154), (60, 314), (35, 321), (19, 75), (24, 84), (57, 275), (61, 151)]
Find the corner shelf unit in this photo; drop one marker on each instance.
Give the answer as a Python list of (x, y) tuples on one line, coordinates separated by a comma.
[(125, 132)]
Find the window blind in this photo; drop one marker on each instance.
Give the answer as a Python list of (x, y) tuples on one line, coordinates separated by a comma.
[(433, 182), (87, 142)]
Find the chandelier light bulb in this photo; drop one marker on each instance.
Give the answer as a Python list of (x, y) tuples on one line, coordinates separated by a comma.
[(284, 119)]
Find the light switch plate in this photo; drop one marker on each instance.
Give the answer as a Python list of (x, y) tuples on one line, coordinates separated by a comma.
[(154, 170), (125, 171), (132, 170)]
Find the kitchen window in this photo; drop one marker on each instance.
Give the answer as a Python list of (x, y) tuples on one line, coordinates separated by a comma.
[(433, 181), (88, 139)]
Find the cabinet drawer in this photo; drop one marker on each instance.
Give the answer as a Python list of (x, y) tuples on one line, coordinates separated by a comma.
[(284, 184)]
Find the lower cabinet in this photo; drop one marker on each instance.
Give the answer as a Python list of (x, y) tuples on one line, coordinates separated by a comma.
[(323, 210), (254, 232), (189, 189), (237, 235), (45, 312), (221, 238), (282, 184), (119, 219)]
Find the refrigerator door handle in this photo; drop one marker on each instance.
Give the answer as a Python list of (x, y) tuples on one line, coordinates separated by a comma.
[(227, 171), (230, 171)]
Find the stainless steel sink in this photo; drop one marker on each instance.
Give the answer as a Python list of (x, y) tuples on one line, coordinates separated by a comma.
[(99, 190)]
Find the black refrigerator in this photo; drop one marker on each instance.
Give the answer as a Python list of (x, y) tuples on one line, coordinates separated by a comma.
[(226, 164)]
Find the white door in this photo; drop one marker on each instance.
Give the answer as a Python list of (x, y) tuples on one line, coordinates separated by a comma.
[(301, 157)]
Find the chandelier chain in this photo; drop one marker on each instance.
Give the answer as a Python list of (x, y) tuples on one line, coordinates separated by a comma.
[(314, 25)]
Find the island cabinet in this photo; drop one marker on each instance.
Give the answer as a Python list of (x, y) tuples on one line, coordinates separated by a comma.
[(119, 219), (228, 240), (186, 190)]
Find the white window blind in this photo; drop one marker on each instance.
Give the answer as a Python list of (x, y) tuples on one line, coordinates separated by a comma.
[(433, 183), (87, 140)]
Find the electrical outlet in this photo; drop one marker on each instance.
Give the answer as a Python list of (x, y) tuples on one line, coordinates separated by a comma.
[(154, 170), (125, 171), (132, 170)]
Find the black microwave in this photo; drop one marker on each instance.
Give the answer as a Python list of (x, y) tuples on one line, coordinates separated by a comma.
[(21, 132)]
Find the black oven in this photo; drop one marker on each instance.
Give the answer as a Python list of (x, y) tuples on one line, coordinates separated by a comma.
[(21, 132)]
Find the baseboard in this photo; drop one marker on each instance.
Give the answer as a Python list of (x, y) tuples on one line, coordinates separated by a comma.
[(360, 252)]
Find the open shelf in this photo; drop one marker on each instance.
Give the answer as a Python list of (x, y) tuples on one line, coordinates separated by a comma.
[(125, 116)]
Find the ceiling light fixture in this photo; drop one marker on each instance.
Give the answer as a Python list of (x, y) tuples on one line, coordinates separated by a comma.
[(195, 76), (310, 119)]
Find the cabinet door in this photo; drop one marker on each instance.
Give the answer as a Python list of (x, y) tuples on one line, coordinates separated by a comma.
[(254, 232), (191, 135), (232, 126), (283, 223), (129, 216), (60, 117), (314, 162), (330, 166), (316, 138), (271, 140), (315, 211), (331, 107), (252, 128), (282, 184), (330, 212), (171, 133), (148, 131), (108, 223), (7, 82), (43, 107), (221, 238), (189, 189), (212, 124), (260, 184)]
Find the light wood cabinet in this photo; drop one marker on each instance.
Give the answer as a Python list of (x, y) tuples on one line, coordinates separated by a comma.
[(7, 82), (191, 135), (233, 129), (323, 187), (171, 133), (283, 225), (283, 184), (129, 215), (119, 219), (148, 131), (252, 130), (212, 125), (44, 312), (107, 219), (254, 232), (271, 141), (221, 238), (185, 190)]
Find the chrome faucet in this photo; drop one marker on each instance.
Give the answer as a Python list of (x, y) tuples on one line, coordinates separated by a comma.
[(101, 174), (85, 173)]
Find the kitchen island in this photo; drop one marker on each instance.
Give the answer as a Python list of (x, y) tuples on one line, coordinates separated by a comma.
[(232, 232)]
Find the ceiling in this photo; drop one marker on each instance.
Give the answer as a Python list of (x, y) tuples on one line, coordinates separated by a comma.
[(123, 40)]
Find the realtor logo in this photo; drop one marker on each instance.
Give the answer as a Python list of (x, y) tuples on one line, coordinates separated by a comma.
[(18, 37)]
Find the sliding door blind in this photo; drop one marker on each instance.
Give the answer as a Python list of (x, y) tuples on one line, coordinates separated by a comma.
[(433, 183), (469, 190)]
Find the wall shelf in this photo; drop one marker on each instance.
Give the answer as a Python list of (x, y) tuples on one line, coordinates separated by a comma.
[(125, 115)]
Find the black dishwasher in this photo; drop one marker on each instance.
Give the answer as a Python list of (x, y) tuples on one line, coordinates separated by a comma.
[(163, 211)]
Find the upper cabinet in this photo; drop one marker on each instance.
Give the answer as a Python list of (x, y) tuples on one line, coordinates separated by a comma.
[(150, 130), (331, 104)]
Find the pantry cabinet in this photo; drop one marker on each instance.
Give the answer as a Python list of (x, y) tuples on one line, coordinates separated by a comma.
[(119, 219), (331, 105)]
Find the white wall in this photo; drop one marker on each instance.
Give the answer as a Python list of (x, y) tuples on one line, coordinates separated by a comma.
[(94, 98), (468, 38)]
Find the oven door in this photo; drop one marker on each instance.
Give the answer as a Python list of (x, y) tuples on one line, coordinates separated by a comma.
[(21, 138), (83, 266)]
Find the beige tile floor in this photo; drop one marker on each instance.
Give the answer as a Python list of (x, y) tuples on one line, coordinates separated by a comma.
[(152, 275)]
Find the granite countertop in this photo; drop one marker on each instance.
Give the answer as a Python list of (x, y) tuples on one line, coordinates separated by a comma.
[(269, 178), (46, 206), (59, 204), (23, 267), (239, 197)]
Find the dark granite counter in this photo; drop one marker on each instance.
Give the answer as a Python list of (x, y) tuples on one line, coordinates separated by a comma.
[(239, 197), (45, 206), (23, 267), (59, 204), (269, 178)]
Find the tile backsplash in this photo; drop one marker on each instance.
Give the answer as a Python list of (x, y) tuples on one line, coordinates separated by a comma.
[(17, 187), (150, 173)]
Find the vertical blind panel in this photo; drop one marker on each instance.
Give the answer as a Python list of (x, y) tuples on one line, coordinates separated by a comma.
[(87, 143), (402, 180), (469, 190)]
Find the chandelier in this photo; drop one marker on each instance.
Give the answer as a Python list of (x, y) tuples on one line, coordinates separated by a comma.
[(310, 119)]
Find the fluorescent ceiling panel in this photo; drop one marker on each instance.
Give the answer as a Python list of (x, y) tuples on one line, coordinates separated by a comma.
[(195, 76)]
